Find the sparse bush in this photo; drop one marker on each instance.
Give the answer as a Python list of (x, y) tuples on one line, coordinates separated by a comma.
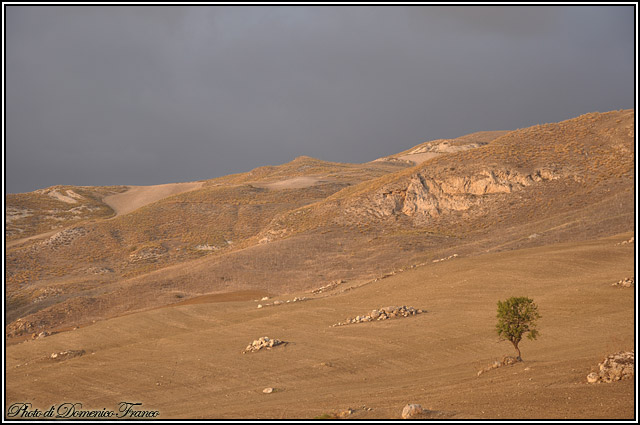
[(517, 316)]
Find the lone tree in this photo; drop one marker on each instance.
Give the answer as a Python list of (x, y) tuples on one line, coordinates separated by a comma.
[(516, 317)]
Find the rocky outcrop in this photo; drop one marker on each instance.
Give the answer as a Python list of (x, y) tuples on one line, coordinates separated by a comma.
[(427, 196), (614, 367), (444, 146)]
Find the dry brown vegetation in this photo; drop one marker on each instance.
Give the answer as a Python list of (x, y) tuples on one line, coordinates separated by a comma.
[(253, 233), (192, 352), (337, 223)]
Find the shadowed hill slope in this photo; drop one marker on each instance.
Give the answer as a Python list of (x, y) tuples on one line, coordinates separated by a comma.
[(306, 223)]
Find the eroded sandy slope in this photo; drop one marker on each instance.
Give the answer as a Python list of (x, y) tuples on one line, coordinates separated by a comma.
[(139, 196)]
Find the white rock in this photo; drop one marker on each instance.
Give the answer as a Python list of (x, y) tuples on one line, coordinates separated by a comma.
[(411, 410), (268, 390), (592, 378)]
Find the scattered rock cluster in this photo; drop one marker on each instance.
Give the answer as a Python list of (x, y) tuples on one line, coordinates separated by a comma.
[(626, 242), (206, 247), (24, 327), (40, 335), (447, 258), (614, 367), (46, 293), (262, 342), (148, 254), (386, 275), (279, 302), (394, 272), (627, 282), (64, 237), (345, 413), (100, 270), (65, 355), (328, 287), (506, 360), (383, 313), (350, 411)]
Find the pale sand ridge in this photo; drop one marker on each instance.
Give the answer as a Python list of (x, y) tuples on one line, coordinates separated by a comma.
[(419, 158), (139, 196)]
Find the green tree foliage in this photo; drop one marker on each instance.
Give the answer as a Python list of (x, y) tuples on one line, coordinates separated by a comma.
[(517, 316)]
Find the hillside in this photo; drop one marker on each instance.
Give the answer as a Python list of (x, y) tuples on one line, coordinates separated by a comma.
[(186, 361), (29, 214), (531, 175), (306, 223)]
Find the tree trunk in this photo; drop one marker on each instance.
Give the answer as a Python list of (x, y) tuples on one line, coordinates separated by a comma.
[(515, 344)]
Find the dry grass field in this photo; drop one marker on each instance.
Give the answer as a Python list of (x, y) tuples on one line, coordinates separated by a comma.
[(159, 285), (186, 360)]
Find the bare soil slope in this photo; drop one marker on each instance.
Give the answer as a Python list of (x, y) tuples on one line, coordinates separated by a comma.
[(138, 196), (186, 361)]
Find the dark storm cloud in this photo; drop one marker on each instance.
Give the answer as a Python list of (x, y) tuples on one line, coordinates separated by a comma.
[(100, 95)]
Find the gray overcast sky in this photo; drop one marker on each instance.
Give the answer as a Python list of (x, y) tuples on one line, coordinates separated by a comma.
[(106, 95)]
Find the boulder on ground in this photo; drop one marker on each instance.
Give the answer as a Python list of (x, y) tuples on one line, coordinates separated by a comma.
[(411, 411)]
